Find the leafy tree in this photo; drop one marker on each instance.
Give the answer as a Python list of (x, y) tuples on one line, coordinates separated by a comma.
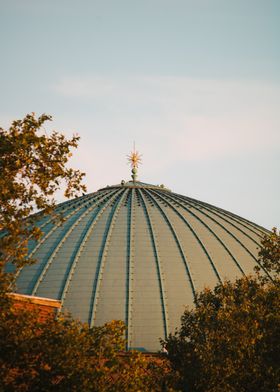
[(33, 166), (230, 341), (65, 355), (55, 354)]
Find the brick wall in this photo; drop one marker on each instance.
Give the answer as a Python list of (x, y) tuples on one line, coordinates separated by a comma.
[(45, 306)]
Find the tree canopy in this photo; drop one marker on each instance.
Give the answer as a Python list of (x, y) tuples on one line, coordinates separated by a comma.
[(269, 255), (230, 341), (33, 166), (62, 354)]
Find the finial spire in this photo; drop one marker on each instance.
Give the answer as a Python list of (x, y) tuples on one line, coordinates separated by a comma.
[(134, 159)]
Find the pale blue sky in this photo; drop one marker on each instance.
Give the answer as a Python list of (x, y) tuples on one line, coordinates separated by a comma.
[(196, 83)]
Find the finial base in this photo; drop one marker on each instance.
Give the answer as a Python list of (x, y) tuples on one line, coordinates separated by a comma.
[(134, 174)]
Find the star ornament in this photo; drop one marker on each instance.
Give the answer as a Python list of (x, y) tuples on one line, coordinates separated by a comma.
[(134, 159)]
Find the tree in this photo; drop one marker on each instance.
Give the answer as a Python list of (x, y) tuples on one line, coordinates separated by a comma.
[(61, 354), (33, 166), (269, 255), (55, 354), (230, 341)]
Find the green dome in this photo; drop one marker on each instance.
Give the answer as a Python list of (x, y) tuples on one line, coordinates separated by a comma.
[(137, 252)]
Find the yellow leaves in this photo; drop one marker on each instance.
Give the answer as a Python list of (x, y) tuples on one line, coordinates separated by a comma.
[(46, 367), (269, 256)]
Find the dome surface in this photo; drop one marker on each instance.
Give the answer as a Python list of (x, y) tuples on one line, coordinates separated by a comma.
[(138, 253)]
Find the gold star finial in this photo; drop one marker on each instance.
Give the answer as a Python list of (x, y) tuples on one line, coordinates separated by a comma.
[(134, 159)]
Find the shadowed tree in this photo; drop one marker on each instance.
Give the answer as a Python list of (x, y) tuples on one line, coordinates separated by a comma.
[(230, 341)]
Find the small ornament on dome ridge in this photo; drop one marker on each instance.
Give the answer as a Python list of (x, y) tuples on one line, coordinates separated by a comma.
[(134, 159)]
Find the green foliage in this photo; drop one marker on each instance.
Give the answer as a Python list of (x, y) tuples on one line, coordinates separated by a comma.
[(33, 166), (231, 340)]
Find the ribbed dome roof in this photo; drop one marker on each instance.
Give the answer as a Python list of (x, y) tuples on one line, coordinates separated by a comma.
[(137, 252)]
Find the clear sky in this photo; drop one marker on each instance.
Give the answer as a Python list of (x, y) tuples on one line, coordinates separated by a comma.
[(196, 83)]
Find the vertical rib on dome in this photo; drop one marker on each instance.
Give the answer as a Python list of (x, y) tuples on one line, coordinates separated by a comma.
[(130, 262)]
